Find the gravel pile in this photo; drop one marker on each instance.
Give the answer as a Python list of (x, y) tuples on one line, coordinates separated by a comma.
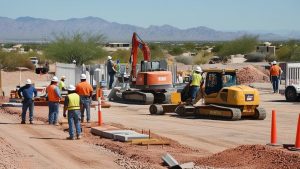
[(253, 156), (250, 74)]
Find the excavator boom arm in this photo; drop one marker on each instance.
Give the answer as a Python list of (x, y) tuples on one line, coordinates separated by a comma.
[(137, 42)]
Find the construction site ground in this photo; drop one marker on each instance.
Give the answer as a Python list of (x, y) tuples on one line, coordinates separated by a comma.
[(202, 141)]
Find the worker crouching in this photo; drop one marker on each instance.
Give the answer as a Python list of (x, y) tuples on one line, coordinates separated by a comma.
[(72, 104)]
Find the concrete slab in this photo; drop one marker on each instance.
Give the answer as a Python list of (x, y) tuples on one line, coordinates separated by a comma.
[(130, 136), (99, 129)]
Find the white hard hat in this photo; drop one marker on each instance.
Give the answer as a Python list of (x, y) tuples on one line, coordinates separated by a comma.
[(82, 76), (54, 79), (274, 62), (71, 88), (28, 81), (63, 77), (109, 57), (198, 69)]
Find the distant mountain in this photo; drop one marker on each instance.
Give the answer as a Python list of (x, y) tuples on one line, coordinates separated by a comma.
[(37, 29)]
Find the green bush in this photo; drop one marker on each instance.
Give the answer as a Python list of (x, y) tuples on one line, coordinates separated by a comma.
[(242, 45), (176, 51), (11, 60), (81, 47)]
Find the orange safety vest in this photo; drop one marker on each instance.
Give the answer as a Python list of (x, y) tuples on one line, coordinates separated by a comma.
[(84, 89), (275, 70), (52, 96)]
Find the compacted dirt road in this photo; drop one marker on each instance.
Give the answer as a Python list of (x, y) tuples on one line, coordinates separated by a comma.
[(43, 146), (211, 135)]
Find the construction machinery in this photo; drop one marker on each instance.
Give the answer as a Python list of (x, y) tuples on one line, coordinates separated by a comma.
[(223, 98), (148, 85)]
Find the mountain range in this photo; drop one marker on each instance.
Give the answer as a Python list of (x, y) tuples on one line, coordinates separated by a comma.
[(37, 29)]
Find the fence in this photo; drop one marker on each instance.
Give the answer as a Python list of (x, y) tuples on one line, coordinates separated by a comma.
[(72, 72)]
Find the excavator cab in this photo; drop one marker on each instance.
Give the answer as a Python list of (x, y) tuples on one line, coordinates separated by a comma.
[(149, 66)]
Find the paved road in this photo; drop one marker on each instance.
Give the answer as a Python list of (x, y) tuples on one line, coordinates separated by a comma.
[(44, 146), (211, 135)]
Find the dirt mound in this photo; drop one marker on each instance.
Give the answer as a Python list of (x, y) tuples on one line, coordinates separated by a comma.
[(253, 156), (250, 74)]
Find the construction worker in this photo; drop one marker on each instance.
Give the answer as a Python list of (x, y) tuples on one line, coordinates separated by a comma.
[(72, 104), (61, 84), (54, 97), (85, 91), (27, 93), (275, 72), (111, 71), (195, 83)]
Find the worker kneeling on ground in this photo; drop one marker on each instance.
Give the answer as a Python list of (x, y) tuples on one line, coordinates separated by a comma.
[(72, 104), (195, 83)]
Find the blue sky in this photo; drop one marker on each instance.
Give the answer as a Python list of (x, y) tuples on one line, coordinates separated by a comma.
[(217, 14)]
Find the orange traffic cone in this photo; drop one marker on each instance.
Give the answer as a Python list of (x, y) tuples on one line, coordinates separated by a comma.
[(297, 142), (273, 130), (99, 110)]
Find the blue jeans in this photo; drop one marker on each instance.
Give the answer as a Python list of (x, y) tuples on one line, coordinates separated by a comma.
[(27, 104), (53, 112), (111, 79), (74, 118), (275, 83), (194, 91), (86, 102)]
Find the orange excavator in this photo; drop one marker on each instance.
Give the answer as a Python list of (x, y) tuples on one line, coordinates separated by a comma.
[(151, 83)]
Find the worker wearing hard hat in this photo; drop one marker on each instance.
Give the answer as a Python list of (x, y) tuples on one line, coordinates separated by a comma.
[(85, 91), (195, 82), (275, 72), (111, 71), (61, 84), (27, 93), (54, 97), (72, 104)]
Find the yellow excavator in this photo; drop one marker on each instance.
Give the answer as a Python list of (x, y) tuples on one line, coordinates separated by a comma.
[(223, 99)]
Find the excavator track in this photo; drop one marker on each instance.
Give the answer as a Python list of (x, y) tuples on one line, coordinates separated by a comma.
[(260, 113), (220, 112), (138, 97)]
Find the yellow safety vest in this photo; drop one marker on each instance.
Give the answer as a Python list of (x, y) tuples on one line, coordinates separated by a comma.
[(74, 101), (196, 79), (61, 85)]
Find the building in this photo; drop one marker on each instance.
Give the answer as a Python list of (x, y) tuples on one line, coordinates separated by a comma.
[(112, 47), (266, 49)]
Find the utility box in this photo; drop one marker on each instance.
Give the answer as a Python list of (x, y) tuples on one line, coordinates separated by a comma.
[(291, 75)]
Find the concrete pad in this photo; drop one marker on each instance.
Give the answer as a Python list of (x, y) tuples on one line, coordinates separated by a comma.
[(130, 136)]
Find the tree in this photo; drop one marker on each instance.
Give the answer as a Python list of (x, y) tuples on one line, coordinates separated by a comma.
[(242, 45), (81, 47)]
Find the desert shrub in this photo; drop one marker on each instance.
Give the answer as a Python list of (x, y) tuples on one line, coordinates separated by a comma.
[(177, 50), (81, 47), (255, 57), (202, 58), (242, 45), (11, 60), (184, 59)]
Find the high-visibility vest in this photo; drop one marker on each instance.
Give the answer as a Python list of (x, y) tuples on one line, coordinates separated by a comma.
[(52, 96), (61, 85), (275, 70), (74, 101), (196, 79)]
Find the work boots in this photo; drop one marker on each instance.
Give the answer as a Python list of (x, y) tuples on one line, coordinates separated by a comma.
[(23, 122)]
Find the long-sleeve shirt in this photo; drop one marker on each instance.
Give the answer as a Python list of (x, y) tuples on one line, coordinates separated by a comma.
[(27, 91)]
